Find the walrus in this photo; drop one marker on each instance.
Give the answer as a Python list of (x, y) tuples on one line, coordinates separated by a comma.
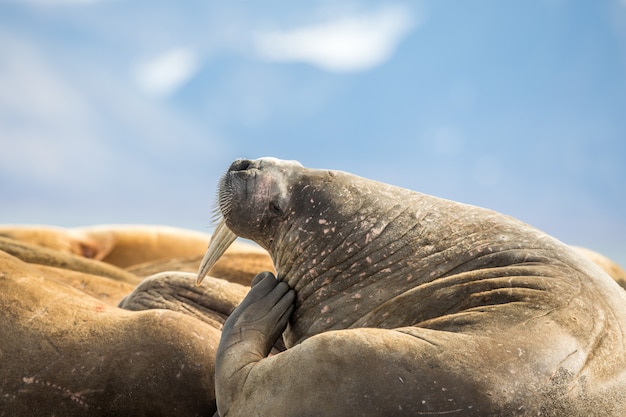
[(105, 289), (119, 245), (42, 255), (60, 239), (65, 353), (70, 347), (607, 265), (393, 302), (125, 254), (176, 291)]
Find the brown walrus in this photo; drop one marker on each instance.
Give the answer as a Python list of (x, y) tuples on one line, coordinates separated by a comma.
[(65, 349), (399, 303), (124, 253), (65, 353), (120, 245)]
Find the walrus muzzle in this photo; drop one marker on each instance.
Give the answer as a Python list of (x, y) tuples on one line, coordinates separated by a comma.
[(222, 238), (258, 182)]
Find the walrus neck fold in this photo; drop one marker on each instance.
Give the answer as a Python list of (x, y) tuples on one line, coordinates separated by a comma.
[(324, 258), (350, 265)]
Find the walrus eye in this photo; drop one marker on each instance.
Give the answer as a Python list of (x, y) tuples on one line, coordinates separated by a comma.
[(275, 208)]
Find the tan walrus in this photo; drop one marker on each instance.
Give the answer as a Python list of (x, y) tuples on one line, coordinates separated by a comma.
[(65, 353), (66, 350)]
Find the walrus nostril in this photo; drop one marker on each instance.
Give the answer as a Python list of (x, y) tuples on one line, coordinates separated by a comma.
[(240, 165)]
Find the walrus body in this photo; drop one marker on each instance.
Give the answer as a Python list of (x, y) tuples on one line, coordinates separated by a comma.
[(66, 349), (399, 303), (64, 353)]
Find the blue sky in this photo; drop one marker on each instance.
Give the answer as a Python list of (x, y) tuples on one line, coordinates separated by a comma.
[(120, 111)]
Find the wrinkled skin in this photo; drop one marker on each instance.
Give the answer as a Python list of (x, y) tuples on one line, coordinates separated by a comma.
[(211, 303), (406, 304), (67, 350), (64, 353)]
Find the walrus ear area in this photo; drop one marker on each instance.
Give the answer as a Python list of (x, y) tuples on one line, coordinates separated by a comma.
[(278, 204)]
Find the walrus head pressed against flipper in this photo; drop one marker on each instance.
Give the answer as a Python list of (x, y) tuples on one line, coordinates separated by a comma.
[(506, 310)]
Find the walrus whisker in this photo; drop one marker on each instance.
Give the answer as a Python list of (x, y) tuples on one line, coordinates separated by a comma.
[(223, 200), (216, 214), (222, 238)]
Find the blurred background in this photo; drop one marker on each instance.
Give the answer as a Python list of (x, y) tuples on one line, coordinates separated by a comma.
[(128, 111)]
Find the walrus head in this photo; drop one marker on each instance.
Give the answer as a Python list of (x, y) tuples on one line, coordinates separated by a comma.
[(327, 233), (284, 207), (253, 196)]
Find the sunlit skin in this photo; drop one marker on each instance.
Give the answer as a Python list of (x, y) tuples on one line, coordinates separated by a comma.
[(399, 302)]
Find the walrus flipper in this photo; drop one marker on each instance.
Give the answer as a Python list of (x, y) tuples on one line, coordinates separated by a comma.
[(212, 302), (250, 333)]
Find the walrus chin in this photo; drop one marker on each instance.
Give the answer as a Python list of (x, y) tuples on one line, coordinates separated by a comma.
[(222, 238)]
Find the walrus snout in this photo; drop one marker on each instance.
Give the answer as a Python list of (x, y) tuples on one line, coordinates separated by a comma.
[(240, 165)]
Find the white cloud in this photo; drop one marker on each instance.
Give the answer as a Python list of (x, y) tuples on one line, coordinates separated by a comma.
[(75, 125), (45, 122), (347, 44), (163, 75)]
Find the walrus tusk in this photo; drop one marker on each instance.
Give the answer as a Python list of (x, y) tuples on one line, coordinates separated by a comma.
[(222, 238)]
